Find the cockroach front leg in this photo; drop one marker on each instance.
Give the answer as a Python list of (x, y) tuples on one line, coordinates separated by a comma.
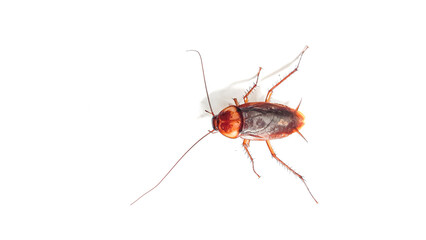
[(236, 102), (289, 168), (246, 144)]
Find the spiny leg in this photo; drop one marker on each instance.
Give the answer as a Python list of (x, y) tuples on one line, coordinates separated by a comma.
[(251, 89), (268, 96), (246, 144), (289, 168)]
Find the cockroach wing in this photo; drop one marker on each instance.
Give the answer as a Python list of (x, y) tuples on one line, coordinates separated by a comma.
[(267, 121)]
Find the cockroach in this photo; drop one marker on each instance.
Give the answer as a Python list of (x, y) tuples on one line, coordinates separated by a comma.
[(253, 121)]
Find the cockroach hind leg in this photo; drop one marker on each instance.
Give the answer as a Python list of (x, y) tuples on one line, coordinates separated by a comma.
[(246, 144), (290, 169), (301, 135)]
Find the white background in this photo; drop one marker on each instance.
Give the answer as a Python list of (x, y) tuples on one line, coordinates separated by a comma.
[(98, 99)]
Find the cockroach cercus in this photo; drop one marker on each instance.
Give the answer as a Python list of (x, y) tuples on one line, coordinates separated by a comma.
[(254, 121)]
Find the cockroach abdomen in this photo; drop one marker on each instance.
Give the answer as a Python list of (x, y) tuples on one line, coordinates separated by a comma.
[(265, 121)]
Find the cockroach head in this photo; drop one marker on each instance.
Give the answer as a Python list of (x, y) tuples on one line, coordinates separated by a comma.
[(214, 123), (228, 122)]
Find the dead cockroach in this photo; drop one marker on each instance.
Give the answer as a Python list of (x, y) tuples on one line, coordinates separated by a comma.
[(254, 121)]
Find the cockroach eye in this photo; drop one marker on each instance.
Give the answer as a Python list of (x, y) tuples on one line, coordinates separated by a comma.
[(214, 123)]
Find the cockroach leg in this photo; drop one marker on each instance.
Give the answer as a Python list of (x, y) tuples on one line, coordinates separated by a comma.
[(268, 96), (246, 144), (289, 168), (251, 89), (236, 102)]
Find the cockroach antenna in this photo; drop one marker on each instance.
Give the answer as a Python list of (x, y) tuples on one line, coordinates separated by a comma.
[(205, 84), (210, 131), (172, 167)]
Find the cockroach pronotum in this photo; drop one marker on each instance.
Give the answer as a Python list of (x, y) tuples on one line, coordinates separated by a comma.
[(253, 121)]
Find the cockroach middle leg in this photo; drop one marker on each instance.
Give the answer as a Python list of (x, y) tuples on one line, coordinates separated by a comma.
[(251, 89), (268, 96), (246, 144), (289, 168)]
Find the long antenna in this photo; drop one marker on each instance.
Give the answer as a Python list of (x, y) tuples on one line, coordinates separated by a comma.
[(204, 77), (171, 168)]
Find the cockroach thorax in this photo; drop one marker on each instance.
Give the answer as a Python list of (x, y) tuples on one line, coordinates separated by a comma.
[(228, 122)]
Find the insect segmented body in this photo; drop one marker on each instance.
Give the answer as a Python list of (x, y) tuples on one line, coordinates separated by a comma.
[(258, 121), (255, 121)]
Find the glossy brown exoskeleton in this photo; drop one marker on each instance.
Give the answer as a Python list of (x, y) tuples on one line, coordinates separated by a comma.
[(259, 121), (255, 121)]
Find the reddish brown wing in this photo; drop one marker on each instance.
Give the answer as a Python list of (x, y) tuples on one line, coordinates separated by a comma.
[(266, 121)]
